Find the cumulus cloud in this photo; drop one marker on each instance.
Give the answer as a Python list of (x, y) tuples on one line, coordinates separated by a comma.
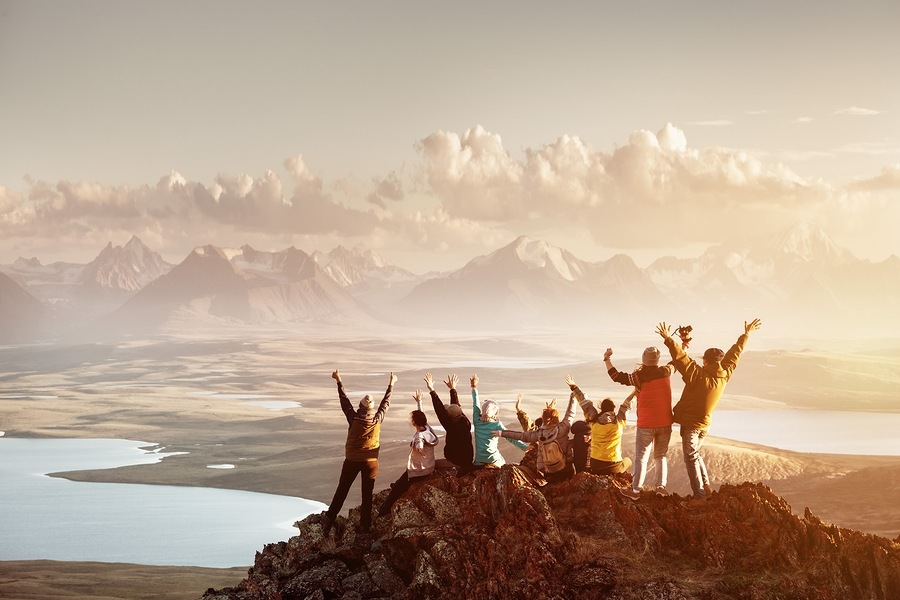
[(473, 173), (386, 188), (887, 180), (645, 193), (802, 120), (857, 111), (234, 206)]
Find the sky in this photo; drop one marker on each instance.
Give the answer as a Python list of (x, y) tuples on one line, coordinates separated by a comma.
[(436, 132)]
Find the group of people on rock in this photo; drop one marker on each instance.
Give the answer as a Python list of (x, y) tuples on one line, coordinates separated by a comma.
[(595, 445)]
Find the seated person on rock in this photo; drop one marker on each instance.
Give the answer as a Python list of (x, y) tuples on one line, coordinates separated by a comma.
[(420, 462), (552, 439), (607, 426)]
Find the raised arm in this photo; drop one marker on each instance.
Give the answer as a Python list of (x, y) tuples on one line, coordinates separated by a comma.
[(729, 362), (386, 401), (625, 406), (439, 409), (569, 417), (521, 415), (346, 405), (476, 408), (683, 363), (586, 405), (614, 374)]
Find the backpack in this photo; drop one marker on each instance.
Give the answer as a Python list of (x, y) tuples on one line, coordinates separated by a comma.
[(551, 454)]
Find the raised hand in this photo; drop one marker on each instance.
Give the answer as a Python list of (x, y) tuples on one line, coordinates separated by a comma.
[(473, 381), (751, 326), (393, 379), (569, 381), (552, 403), (607, 354), (663, 330), (518, 402), (451, 381), (336, 375), (429, 382), (418, 396)]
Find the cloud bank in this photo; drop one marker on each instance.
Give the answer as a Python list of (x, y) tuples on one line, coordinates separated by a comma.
[(467, 192)]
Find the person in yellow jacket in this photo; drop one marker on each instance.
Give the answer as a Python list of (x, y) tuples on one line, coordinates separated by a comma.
[(607, 426)]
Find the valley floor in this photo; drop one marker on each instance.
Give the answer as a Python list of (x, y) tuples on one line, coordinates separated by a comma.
[(208, 398)]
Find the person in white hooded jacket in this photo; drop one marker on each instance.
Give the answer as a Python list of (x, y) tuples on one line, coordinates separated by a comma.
[(420, 463)]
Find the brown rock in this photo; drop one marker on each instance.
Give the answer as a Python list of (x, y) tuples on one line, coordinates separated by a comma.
[(493, 534)]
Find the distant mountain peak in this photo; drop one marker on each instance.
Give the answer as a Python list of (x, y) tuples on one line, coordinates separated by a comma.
[(539, 254), (351, 267), (126, 268), (808, 241)]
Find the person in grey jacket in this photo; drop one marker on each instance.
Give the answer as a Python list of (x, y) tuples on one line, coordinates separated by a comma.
[(552, 439)]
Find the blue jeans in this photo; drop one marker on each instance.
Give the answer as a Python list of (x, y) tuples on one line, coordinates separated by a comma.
[(691, 441), (645, 440)]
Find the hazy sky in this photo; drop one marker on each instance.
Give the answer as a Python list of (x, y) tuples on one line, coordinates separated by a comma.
[(433, 132)]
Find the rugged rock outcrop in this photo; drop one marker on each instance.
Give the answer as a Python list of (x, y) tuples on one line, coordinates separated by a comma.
[(496, 534)]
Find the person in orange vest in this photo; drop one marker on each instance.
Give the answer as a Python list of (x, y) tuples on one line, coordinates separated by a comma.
[(654, 417)]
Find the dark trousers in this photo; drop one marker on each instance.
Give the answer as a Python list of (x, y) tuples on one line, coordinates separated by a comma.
[(604, 467), (350, 469), (398, 488)]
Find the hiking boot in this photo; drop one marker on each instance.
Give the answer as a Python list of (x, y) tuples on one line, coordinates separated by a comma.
[(694, 503), (630, 493), (326, 526), (661, 490)]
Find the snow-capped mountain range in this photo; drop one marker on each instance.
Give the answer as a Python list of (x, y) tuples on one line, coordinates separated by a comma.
[(798, 280)]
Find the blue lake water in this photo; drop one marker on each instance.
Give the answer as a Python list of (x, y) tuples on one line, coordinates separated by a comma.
[(819, 431), (52, 518)]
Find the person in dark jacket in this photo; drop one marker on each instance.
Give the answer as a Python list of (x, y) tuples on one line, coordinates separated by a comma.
[(360, 451), (703, 387), (581, 446), (458, 448)]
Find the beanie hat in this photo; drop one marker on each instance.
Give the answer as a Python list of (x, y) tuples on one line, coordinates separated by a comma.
[(454, 410), (366, 403), (713, 355), (489, 410), (650, 357), (607, 405)]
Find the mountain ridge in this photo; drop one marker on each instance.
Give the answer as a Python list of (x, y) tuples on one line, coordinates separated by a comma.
[(500, 534), (796, 280)]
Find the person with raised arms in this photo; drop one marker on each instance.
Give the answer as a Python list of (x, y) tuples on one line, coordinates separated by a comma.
[(486, 417), (360, 451), (458, 443), (703, 387)]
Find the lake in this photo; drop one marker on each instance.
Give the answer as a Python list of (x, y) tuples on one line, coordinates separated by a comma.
[(818, 431), (57, 519)]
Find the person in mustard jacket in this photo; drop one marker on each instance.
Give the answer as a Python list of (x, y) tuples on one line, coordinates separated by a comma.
[(360, 451), (703, 387)]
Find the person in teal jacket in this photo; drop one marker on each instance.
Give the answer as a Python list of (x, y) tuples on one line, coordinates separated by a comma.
[(485, 417)]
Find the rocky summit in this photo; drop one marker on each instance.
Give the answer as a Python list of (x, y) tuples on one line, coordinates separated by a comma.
[(502, 533)]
